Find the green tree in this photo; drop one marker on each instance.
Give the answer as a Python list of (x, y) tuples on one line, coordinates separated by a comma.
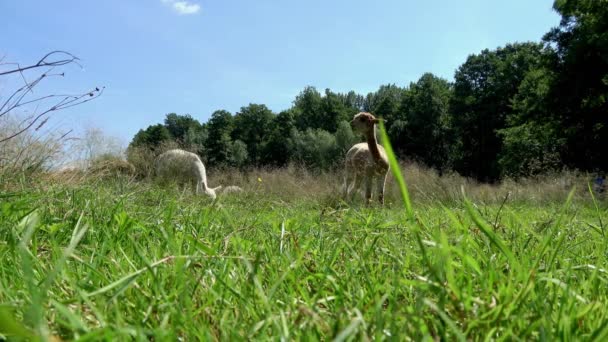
[(581, 84), (533, 140), (277, 149), (237, 154), (345, 137), (354, 101), (218, 142), (530, 148), (315, 148), (179, 126), (151, 137), (196, 139), (385, 102), (253, 125), (308, 109), (425, 132), (334, 111), (483, 90)]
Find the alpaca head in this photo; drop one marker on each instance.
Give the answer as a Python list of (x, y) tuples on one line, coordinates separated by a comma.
[(364, 122), (211, 192)]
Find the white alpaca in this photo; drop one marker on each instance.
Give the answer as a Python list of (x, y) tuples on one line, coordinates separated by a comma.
[(183, 167), (231, 189), (366, 160)]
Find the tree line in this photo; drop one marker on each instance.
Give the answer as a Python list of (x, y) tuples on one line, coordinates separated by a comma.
[(518, 110)]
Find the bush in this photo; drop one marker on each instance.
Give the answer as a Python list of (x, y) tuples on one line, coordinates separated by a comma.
[(28, 153), (315, 148), (111, 167), (142, 157)]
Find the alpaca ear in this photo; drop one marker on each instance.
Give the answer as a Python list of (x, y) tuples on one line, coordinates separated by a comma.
[(217, 188)]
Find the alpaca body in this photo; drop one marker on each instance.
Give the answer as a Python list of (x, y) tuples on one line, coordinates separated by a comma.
[(366, 162), (184, 167), (360, 159), (231, 189)]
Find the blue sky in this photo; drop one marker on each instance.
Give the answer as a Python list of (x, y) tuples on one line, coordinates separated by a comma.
[(194, 57)]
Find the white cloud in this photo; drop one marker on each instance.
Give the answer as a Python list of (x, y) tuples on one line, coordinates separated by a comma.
[(183, 7)]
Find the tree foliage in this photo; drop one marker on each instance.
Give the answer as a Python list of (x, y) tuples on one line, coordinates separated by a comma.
[(179, 126), (218, 142), (483, 89), (252, 126), (315, 148), (423, 132), (151, 137), (581, 81), (278, 151)]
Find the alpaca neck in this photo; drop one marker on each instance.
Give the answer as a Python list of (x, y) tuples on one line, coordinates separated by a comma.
[(372, 144), (201, 174)]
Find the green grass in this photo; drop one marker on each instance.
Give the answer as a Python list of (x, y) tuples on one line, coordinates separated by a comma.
[(120, 260)]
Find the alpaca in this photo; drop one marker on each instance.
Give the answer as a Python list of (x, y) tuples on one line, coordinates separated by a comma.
[(231, 189), (183, 167), (366, 160)]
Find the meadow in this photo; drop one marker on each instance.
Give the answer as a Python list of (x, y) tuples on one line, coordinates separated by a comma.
[(113, 258), (93, 249)]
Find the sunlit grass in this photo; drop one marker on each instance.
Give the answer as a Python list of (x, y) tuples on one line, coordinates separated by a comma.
[(121, 259)]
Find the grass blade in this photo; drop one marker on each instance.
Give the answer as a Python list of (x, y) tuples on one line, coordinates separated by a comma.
[(394, 165), (489, 233)]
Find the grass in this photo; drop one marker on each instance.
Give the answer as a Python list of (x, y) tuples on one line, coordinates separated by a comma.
[(117, 259)]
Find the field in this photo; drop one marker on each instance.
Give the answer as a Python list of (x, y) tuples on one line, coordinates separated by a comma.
[(114, 258)]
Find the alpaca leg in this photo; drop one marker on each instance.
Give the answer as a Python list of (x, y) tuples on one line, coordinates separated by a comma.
[(356, 184), (348, 179), (368, 189), (381, 184)]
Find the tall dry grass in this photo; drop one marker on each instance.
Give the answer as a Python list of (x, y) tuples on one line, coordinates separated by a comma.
[(25, 155), (295, 182), (425, 185), (428, 186)]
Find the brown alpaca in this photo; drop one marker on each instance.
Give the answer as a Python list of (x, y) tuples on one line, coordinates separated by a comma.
[(366, 160)]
